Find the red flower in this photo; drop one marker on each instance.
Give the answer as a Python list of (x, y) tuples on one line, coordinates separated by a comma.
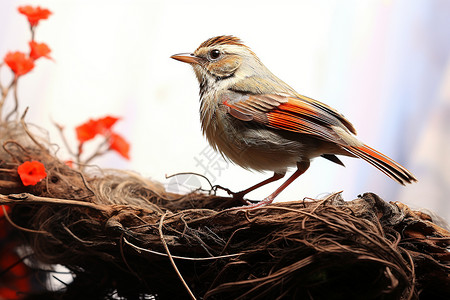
[(34, 14), (119, 144), (38, 50), (31, 172), (105, 124), (91, 128), (86, 131), (19, 62)]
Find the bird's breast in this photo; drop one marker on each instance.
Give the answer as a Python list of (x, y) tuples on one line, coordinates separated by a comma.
[(249, 145)]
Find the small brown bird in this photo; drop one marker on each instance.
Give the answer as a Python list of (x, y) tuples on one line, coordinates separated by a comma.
[(260, 123)]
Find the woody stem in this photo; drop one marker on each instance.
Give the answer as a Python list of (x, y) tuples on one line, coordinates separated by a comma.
[(16, 100), (98, 151), (5, 92), (32, 29), (63, 137)]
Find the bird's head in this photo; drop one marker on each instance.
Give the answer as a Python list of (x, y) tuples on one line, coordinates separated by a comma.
[(222, 61)]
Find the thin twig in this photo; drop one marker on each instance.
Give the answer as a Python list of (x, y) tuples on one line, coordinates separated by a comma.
[(231, 237), (8, 184), (16, 100), (74, 236), (413, 274), (192, 173), (140, 249), (98, 152), (26, 198), (84, 182), (32, 29), (30, 135), (161, 235), (5, 271), (5, 92), (124, 259), (13, 156), (63, 138), (5, 213), (60, 281)]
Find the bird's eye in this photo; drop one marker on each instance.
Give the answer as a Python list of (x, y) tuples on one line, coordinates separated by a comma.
[(214, 54)]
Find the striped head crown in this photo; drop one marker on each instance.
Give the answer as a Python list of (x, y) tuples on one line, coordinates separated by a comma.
[(221, 40)]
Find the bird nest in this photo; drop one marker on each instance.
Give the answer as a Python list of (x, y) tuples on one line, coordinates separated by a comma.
[(123, 236)]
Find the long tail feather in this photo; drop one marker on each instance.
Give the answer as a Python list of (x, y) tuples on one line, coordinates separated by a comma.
[(383, 163)]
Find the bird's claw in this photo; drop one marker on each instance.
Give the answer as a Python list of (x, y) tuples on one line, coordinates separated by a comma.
[(252, 205), (237, 196), (216, 187)]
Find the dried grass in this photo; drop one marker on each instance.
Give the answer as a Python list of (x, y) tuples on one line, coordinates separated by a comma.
[(123, 235)]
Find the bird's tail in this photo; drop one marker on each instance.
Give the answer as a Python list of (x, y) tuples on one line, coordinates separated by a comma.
[(382, 163)]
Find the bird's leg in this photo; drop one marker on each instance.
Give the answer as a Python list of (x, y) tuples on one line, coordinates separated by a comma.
[(240, 195), (301, 168)]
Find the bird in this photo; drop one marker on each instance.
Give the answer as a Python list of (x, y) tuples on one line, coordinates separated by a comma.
[(262, 124)]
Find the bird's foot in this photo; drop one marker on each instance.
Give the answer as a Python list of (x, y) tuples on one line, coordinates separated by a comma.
[(252, 205), (237, 196), (264, 202)]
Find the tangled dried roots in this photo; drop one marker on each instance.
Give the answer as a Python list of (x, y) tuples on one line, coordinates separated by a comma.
[(124, 235)]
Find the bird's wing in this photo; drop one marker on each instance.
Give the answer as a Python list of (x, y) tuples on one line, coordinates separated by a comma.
[(297, 114), (307, 116)]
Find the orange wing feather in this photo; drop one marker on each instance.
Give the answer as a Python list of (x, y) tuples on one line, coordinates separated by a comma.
[(298, 115), (308, 116)]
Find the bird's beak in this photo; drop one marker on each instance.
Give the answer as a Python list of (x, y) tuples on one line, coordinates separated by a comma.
[(187, 58)]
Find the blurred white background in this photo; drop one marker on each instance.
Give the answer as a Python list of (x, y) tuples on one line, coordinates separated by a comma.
[(383, 64)]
